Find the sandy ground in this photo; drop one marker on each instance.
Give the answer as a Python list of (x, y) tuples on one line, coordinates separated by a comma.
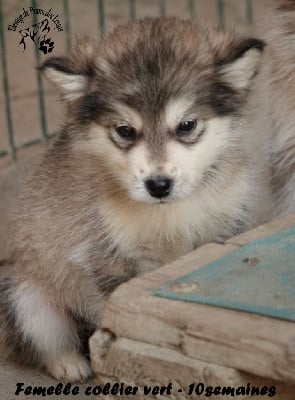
[(25, 108)]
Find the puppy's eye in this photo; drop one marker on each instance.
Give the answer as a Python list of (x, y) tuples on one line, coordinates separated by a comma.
[(186, 127), (126, 132)]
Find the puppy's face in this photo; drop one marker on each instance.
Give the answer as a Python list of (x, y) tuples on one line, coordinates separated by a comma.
[(162, 160), (155, 102)]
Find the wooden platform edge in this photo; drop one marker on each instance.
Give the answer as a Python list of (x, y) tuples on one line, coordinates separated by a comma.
[(255, 344), (141, 365)]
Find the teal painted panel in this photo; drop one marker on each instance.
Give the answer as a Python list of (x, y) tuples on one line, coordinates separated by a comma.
[(257, 278)]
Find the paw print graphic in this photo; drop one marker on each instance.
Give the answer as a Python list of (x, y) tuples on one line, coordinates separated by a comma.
[(46, 45)]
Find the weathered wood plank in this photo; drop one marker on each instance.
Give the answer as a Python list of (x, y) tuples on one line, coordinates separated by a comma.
[(252, 343), (263, 231), (255, 344), (139, 364)]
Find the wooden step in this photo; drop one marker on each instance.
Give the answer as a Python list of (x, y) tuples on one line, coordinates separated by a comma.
[(143, 332)]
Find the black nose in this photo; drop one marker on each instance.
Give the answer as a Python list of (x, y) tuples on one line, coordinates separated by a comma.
[(159, 186)]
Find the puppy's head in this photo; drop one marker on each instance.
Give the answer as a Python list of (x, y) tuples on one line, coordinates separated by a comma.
[(155, 102)]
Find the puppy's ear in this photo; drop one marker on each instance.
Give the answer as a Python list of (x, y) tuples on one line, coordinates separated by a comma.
[(242, 63), (72, 74), (60, 72)]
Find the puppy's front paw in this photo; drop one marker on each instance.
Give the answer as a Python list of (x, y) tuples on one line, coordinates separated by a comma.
[(70, 368)]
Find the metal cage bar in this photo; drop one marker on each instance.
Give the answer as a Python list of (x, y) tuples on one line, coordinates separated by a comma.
[(6, 91), (249, 11), (132, 9), (101, 16), (40, 82), (220, 9), (67, 23), (191, 8), (162, 7)]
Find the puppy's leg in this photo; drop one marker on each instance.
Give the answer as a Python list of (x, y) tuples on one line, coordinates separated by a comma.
[(49, 334), (70, 367)]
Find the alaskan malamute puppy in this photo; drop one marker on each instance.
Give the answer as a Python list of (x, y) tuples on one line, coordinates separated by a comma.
[(152, 162), (273, 103)]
